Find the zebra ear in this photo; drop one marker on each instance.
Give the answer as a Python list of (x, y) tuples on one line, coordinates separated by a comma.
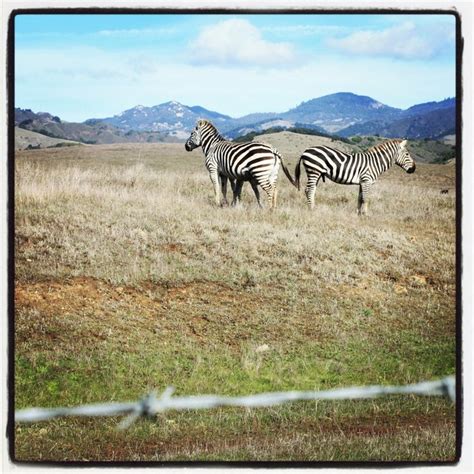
[(403, 144), (201, 122)]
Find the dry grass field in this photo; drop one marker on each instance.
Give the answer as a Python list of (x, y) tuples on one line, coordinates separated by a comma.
[(128, 278)]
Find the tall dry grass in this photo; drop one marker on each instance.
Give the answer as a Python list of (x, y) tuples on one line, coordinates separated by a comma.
[(128, 273), (113, 215)]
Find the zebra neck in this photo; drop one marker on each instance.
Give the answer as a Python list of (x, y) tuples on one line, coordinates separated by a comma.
[(211, 139), (381, 160)]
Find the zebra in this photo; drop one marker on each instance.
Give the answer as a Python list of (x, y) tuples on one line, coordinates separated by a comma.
[(251, 161), (357, 168)]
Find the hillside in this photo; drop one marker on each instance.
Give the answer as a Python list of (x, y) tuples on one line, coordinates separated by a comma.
[(93, 132), (336, 111), (26, 139), (432, 124), (167, 118), (273, 126), (292, 145), (343, 114), (329, 113), (21, 115), (332, 113), (429, 107)]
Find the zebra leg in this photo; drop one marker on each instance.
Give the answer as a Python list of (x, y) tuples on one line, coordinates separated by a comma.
[(215, 181), (268, 187), (237, 192), (274, 197), (270, 190), (224, 189), (363, 197), (359, 201), (310, 190), (254, 185)]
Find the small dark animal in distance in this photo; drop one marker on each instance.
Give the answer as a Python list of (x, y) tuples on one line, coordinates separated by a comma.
[(444, 191)]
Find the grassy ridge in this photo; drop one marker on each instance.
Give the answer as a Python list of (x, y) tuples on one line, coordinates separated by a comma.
[(129, 278)]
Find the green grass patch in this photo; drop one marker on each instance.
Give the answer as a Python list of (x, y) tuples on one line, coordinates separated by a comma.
[(129, 279)]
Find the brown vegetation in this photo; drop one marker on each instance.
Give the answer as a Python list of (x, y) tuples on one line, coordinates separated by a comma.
[(128, 277)]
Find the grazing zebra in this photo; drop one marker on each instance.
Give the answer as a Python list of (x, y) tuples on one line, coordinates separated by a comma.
[(357, 168), (255, 162)]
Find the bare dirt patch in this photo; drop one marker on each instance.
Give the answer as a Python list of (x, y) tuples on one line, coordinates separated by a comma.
[(81, 310), (128, 277)]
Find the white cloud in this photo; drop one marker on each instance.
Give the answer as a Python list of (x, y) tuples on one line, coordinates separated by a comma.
[(81, 83), (238, 42), (403, 41)]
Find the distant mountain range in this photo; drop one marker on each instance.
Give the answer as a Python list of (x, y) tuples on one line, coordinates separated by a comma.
[(344, 114), (428, 120), (90, 132), (170, 118)]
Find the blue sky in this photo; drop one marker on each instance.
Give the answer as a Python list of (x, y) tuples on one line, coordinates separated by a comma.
[(84, 66)]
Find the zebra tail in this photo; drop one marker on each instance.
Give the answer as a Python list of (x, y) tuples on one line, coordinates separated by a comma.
[(288, 174), (285, 169), (298, 174)]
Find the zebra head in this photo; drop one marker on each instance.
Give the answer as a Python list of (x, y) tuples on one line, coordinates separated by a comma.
[(195, 139), (403, 159)]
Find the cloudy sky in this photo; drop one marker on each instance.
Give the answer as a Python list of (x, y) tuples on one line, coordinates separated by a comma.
[(84, 66)]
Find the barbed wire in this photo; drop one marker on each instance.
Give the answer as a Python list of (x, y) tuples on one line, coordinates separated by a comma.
[(151, 405)]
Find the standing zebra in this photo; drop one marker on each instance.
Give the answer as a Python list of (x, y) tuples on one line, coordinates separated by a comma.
[(357, 168), (255, 162)]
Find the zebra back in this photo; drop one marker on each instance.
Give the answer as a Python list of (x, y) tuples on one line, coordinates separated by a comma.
[(249, 160), (348, 168)]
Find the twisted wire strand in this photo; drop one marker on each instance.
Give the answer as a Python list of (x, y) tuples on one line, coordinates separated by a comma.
[(151, 405)]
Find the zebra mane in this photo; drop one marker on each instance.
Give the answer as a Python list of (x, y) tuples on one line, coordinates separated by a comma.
[(385, 144), (203, 122), (207, 123), (211, 130)]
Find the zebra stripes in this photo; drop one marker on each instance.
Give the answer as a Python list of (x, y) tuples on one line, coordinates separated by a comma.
[(259, 164), (358, 168), (255, 162)]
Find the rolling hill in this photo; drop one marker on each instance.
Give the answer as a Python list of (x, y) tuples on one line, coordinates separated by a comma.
[(170, 118), (26, 139), (91, 132), (424, 122), (336, 111), (343, 114)]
